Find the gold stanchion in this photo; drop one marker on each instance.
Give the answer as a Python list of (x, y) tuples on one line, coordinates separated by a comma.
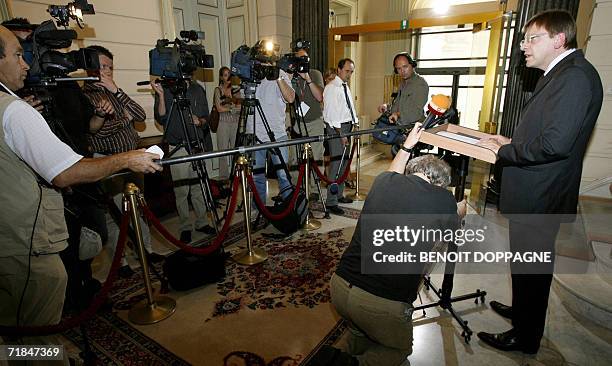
[(310, 224), (251, 255), (153, 309), (357, 196)]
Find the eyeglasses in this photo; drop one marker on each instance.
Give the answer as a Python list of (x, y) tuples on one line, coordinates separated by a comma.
[(529, 40)]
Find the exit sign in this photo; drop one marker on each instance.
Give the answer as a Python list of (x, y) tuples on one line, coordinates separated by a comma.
[(404, 24)]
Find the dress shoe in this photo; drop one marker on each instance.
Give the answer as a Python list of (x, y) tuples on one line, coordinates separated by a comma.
[(186, 236), (208, 230), (345, 200), (336, 210), (507, 341), (501, 309)]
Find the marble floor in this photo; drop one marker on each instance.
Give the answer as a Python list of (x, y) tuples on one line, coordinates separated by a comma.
[(570, 339)]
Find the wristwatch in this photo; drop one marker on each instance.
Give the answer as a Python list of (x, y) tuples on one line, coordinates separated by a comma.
[(405, 149), (119, 91)]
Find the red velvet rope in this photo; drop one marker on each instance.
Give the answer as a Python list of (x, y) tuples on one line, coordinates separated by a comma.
[(340, 180), (86, 314), (262, 206), (189, 249)]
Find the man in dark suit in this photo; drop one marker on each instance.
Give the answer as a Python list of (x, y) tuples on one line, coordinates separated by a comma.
[(542, 168)]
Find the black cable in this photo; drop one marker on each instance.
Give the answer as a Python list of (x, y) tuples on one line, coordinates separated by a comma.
[(25, 286)]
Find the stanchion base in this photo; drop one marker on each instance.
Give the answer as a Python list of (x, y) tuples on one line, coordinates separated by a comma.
[(358, 196), (143, 313), (312, 224), (250, 258)]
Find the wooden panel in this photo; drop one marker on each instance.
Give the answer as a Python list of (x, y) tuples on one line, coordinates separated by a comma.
[(599, 49), (234, 3), (236, 27), (601, 19), (179, 20), (212, 3), (432, 137)]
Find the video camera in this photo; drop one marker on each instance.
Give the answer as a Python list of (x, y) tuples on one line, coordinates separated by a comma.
[(256, 63), (180, 60), (294, 64), (47, 64)]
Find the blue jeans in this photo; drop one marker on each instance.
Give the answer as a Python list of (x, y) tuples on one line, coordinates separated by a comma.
[(259, 175)]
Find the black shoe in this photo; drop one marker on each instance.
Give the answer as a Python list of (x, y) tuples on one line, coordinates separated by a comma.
[(501, 309), (336, 210), (186, 236), (507, 341), (208, 230), (345, 200), (156, 258), (125, 272)]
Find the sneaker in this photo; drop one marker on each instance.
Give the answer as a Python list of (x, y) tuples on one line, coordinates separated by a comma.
[(186, 236), (336, 210), (125, 272), (345, 200), (208, 230)]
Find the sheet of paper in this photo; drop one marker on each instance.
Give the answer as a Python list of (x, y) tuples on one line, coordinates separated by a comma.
[(454, 136), (305, 107)]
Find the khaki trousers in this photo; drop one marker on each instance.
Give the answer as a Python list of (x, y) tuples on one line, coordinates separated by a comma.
[(380, 330)]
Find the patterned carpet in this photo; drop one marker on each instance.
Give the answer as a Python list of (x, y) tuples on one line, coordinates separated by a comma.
[(273, 313)]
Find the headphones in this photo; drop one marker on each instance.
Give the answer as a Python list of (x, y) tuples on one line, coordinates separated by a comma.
[(407, 55)]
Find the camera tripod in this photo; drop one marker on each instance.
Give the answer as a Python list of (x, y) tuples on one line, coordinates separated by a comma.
[(251, 105), (182, 105), (297, 119)]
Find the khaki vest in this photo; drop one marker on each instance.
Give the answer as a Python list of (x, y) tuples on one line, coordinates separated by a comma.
[(20, 194)]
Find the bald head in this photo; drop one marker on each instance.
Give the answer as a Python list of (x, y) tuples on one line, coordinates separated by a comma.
[(13, 69)]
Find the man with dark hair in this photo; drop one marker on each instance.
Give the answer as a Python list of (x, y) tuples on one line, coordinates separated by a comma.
[(542, 168), (407, 107), (339, 115), (378, 307), (34, 163), (309, 90), (185, 179)]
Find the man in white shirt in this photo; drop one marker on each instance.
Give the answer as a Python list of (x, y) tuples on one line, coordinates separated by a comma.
[(273, 95), (34, 163), (339, 115)]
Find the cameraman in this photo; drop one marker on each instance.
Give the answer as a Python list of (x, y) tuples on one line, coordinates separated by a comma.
[(185, 179), (407, 107), (309, 89), (34, 163), (273, 96)]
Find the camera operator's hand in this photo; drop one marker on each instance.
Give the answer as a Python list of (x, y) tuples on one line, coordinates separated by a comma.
[(305, 76), (462, 208), (141, 161), (34, 102), (107, 82), (197, 121), (158, 89), (394, 117), (104, 108), (382, 108), (344, 141)]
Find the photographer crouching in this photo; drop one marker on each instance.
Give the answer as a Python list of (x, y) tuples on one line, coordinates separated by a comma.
[(379, 307)]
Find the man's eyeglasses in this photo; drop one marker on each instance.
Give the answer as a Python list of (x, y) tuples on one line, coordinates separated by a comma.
[(529, 40)]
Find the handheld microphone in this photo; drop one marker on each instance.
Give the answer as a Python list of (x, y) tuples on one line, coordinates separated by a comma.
[(437, 106)]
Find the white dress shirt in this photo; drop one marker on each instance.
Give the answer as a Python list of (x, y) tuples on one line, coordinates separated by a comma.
[(27, 133), (335, 109), (558, 59)]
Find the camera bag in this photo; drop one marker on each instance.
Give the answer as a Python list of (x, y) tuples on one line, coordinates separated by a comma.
[(186, 271)]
